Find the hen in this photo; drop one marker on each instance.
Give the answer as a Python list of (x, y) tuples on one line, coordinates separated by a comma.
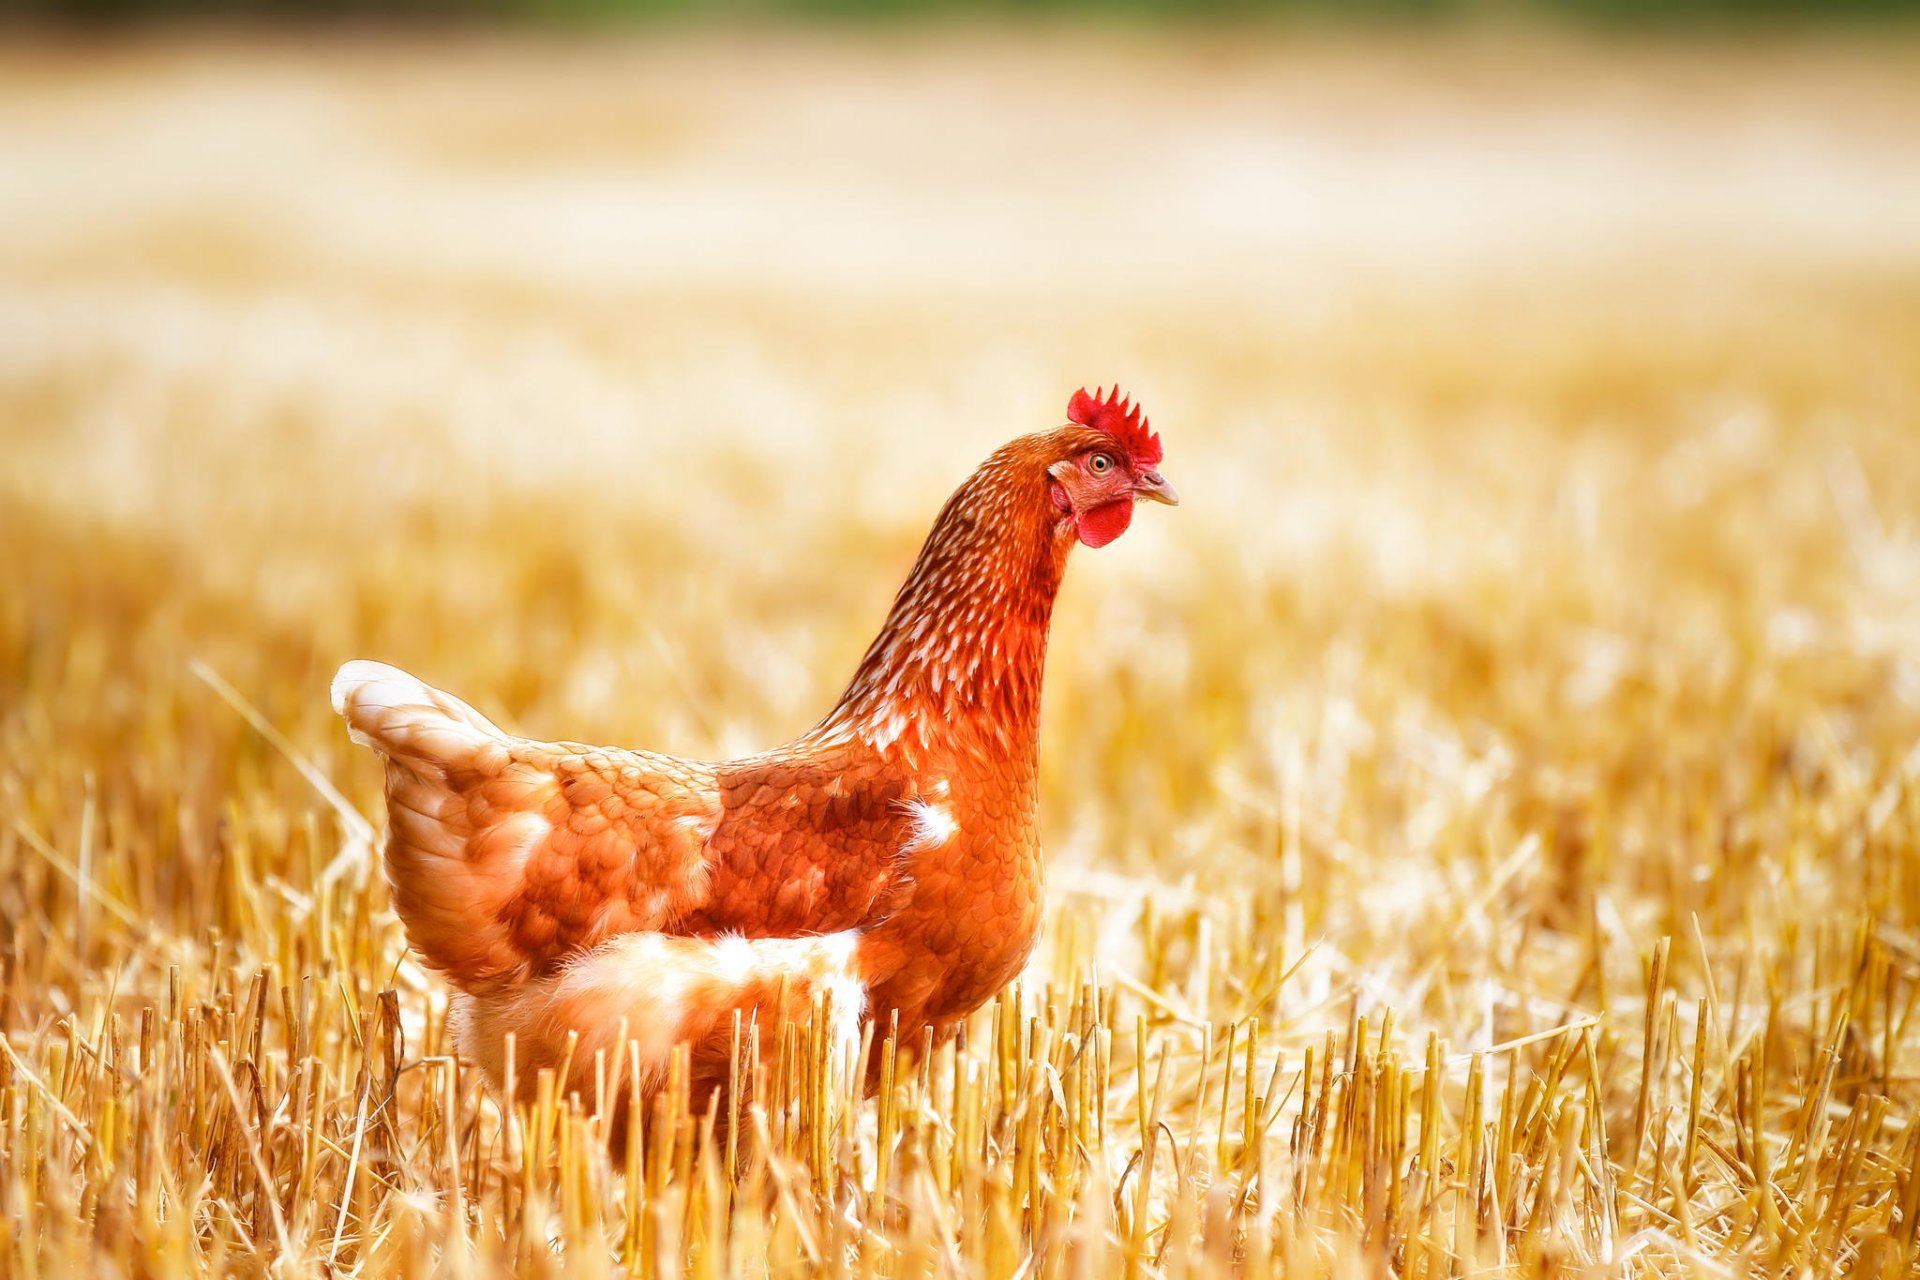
[(887, 861)]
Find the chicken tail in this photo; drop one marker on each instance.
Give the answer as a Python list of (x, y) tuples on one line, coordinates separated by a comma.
[(407, 720), (462, 815)]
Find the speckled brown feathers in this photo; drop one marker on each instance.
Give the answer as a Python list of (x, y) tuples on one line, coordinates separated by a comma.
[(887, 861)]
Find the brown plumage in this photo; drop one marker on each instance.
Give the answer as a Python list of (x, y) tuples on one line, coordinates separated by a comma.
[(887, 860)]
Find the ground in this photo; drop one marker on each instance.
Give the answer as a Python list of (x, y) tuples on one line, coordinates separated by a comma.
[(1483, 817)]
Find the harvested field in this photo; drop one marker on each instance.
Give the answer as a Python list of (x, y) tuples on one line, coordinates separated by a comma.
[(1485, 817)]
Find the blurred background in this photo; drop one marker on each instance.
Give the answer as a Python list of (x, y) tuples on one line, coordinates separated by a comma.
[(1724, 14), (1543, 389)]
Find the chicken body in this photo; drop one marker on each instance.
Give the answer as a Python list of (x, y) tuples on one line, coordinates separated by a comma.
[(886, 861)]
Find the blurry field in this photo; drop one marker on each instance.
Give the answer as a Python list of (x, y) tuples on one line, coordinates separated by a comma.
[(1485, 818)]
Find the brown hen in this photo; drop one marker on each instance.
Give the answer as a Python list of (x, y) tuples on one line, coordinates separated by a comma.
[(887, 861)]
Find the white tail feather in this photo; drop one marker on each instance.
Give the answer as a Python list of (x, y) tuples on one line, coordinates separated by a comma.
[(400, 715), (653, 991)]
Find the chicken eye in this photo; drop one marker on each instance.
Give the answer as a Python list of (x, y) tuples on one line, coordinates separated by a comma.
[(1100, 464)]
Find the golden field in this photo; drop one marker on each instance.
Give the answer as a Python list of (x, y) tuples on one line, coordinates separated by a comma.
[(1485, 817)]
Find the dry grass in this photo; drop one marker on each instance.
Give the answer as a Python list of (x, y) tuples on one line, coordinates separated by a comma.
[(1486, 817)]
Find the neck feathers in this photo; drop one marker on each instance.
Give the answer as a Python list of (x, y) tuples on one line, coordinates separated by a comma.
[(964, 647)]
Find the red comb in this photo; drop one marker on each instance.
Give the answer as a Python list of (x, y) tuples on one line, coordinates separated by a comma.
[(1120, 419)]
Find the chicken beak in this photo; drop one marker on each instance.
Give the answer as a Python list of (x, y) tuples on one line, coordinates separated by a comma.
[(1153, 485)]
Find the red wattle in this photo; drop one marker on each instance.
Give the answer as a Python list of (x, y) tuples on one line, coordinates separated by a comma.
[(1104, 523)]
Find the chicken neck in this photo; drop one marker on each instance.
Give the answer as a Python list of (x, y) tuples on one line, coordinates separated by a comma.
[(962, 653)]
